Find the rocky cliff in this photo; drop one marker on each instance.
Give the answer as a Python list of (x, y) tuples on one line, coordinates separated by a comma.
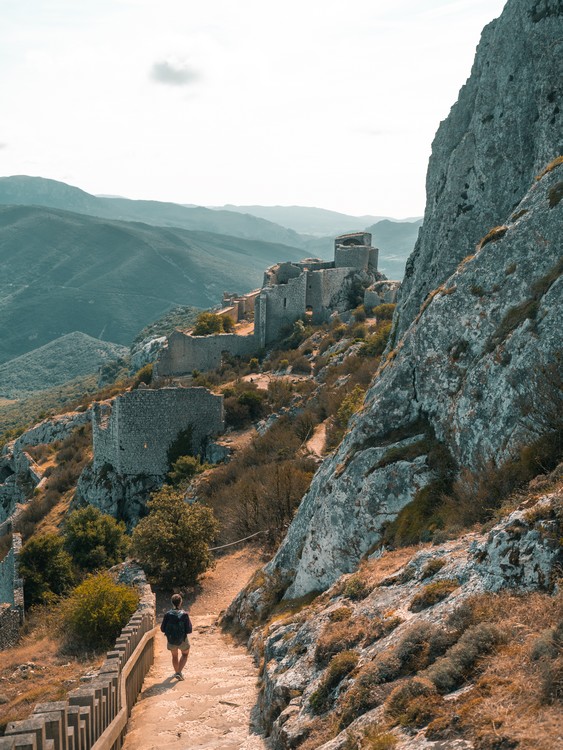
[(506, 125), (472, 377)]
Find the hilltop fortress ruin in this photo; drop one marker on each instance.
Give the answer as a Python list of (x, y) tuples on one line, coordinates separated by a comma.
[(134, 433), (291, 291)]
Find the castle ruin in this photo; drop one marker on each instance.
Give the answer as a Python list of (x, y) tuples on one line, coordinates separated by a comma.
[(135, 431), (291, 291)]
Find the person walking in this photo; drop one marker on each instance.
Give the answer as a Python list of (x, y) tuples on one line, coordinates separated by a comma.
[(176, 626)]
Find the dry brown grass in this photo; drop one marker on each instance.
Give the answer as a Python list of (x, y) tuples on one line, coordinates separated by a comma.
[(52, 676), (508, 703)]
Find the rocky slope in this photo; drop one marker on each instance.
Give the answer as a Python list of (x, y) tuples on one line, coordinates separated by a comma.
[(467, 376), (428, 638), (506, 125)]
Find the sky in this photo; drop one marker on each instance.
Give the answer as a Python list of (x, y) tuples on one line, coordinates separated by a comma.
[(329, 103)]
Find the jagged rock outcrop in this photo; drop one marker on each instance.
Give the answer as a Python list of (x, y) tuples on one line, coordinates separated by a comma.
[(392, 609), (506, 125), (123, 497), (466, 375), (18, 472)]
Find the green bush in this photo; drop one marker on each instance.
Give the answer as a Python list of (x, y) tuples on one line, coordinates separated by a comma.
[(340, 665), (384, 311), (208, 323), (185, 469), (376, 342), (97, 610), (172, 542), (144, 375), (356, 588), (94, 539), (46, 569)]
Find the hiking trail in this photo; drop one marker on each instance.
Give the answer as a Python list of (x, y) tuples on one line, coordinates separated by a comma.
[(212, 707)]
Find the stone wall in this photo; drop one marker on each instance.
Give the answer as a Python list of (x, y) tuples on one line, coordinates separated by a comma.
[(134, 433), (186, 353), (381, 292), (278, 306), (362, 258), (11, 596), (324, 288), (9, 626)]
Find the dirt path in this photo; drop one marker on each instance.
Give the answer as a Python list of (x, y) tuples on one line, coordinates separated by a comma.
[(211, 708), (316, 444)]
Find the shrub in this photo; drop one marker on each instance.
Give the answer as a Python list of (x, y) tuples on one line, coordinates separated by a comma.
[(340, 665), (254, 364), (421, 645), (97, 610), (359, 314), (208, 323), (450, 671), (172, 542), (244, 408), (144, 375), (400, 700), (185, 469), (375, 343), (301, 365), (432, 567), (356, 588), (433, 593), (367, 692), (94, 539), (339, 636), (384, 311), (46, 569), (340, 614), (181, 446)]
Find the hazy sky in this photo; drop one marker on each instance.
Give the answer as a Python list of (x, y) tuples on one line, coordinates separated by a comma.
[(330, 103)]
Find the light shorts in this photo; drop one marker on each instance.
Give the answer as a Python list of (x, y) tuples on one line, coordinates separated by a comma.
[(185, 646)]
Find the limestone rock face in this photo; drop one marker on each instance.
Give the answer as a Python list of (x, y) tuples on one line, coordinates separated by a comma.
[(123, 497), (521, 552), (506, 125), (469, 366), (18, 472)]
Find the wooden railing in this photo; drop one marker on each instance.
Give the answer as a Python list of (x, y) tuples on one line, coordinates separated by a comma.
[(94, 717)]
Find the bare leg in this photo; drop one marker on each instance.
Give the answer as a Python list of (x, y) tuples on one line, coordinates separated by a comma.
[(183, 660), (175, 660)]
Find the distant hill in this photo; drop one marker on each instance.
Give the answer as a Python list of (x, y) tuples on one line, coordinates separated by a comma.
[(395, 240), (38, 191), (66, 358), (314, 221), (62, 272)]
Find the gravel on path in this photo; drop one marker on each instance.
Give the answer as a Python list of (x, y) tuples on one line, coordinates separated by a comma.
[(212, 707)]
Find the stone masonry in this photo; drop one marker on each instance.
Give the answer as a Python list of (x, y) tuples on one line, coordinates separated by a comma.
[(311, 287), (133, 433), (11, 596)]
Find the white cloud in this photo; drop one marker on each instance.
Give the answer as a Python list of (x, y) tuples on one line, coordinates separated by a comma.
[(173, 74)]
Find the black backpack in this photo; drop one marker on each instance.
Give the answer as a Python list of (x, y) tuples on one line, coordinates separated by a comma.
[(174, 630)]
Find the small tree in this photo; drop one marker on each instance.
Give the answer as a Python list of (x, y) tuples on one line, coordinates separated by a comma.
[(96, 611), (94, 539), (46, 569), (208, 323), (172, 542)]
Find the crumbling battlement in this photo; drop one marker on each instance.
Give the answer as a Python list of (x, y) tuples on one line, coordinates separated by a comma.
[(291, 290), (185, 353), (134, 432)]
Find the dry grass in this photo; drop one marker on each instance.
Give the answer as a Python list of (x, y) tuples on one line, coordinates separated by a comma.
[(51, 677), (508, 703)]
